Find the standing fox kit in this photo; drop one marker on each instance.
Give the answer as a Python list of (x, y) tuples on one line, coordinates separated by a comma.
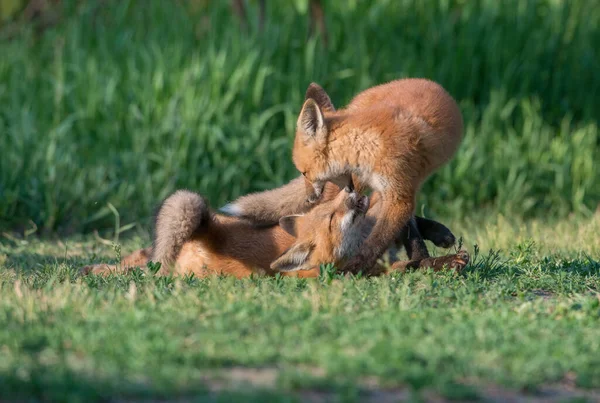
[(390, 137), (190, 238)]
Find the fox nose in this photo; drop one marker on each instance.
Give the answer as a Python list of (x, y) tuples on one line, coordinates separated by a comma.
[(357, 203), (351, 200), (363, 204)]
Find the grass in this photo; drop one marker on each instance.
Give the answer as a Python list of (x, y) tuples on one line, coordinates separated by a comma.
[(114, 108), (521, 321), (121, 106)]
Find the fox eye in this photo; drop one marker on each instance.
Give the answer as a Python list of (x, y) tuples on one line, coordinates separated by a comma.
[(304, 174)]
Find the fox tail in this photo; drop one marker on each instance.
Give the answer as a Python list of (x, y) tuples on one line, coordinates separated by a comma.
[(179, 216)]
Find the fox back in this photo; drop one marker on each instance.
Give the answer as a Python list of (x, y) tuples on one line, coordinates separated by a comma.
[(394, 134)]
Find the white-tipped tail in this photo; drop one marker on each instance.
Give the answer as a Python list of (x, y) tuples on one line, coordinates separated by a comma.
[(232, 209), (179, 216)]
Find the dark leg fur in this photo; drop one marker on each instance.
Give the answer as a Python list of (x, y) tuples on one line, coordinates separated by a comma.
[(435, 232), (412, 237), (417, 230), (413, 241)]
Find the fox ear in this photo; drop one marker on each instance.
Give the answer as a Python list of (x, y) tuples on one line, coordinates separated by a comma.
[(289, 223), (311, 121), (316, 92), (294, 259)]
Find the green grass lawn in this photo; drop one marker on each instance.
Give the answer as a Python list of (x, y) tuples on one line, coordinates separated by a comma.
[(520, 322)]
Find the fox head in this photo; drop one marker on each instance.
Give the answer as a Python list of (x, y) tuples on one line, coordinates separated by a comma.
[(312, 132), (330, 233)]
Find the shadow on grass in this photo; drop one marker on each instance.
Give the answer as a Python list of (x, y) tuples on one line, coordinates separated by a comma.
[(68, 386), (40, 255), (30, 262), (63, 385)]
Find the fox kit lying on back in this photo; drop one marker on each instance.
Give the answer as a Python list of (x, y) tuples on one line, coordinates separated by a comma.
[(267, 207), (192, 239), (390, 137)]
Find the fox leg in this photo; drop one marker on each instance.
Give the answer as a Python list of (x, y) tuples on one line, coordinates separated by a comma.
[(413, 241), (394, 215), (435, 232), (456, 262), (431, 230), (139, 258), (419, 229)]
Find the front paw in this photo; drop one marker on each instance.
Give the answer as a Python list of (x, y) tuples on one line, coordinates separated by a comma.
[(97, 269), (447, 242), (455, 262), (460, 261)]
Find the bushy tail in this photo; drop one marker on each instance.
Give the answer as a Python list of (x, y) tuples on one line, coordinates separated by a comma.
[(179, 216), (266, 208)]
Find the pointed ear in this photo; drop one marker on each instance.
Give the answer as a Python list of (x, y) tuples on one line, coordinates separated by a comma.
[(294, 259), (311, 121), (316, 92), (289, 223)]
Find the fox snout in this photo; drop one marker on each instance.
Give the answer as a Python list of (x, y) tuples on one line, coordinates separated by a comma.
[(357, 203)]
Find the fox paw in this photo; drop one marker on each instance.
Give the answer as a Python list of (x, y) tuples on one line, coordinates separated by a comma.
[(98, 269), (442, 239), (447, 241), (84, 271), (455, 262), (459, 261)]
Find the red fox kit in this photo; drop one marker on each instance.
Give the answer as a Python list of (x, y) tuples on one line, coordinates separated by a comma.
[(390, 137), (267, 207), (190, 238)]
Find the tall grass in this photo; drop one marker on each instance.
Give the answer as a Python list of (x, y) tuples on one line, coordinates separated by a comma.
[(126, 104)]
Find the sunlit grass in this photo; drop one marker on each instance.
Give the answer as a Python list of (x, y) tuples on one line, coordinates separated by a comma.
[(524, 318)]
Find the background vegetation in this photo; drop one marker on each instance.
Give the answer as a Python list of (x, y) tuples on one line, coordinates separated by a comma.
[(123, 103)]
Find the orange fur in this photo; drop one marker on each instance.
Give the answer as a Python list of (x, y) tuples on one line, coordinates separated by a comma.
[(390, 138), (236, 247), (330, 233)]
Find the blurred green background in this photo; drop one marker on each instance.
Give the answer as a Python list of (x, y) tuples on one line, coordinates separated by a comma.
[(119, 103)]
